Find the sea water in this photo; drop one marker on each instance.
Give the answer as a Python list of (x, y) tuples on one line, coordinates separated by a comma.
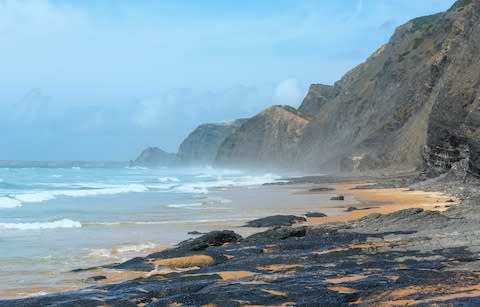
[(55, 220)]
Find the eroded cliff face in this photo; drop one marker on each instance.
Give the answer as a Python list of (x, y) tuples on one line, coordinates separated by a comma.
[(154, 156), (268, 139), (413, 104), (318, 95), (201, 146)]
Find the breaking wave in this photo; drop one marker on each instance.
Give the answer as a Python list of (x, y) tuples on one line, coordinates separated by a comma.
[(63, 223)]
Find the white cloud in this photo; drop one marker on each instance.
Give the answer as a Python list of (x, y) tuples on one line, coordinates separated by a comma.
[(288, 92)]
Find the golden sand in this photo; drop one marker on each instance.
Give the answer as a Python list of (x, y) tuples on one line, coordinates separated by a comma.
[(228, 275), (279, 267), (398, 297), (184, 262), (385, 201)]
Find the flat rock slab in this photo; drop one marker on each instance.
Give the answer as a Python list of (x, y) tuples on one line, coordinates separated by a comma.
[(315, 214), (276, 220)]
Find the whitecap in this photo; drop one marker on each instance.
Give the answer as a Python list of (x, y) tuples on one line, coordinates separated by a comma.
[(184, 205), (7, 202), (63, 223), (168, 179), (36, 197), (136, 167), (135, 247)]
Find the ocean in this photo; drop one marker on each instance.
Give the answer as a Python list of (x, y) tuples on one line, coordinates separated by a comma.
[(53, 220)]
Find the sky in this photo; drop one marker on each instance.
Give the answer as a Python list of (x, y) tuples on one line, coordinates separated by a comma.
[(101, 80)]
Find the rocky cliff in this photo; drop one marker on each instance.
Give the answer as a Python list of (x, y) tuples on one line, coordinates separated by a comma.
[(413, 104), (201, 146), (154, 156), (318, 95), (268, 139)]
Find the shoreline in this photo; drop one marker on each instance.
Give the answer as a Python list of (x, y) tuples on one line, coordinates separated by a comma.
[(385, 200), (367, 200)]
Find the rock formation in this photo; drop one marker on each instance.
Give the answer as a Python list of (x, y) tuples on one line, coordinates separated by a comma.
[(154, 156), (201, 146), (318, 95), (412, 105), (268, 139)]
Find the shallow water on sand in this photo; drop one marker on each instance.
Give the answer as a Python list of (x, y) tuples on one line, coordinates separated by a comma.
[(56, 220)]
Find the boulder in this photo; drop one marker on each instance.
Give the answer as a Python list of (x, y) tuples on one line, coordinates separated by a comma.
[(213, 238)]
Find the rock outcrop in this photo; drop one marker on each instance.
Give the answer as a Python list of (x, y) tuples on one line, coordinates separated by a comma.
[(154, 156), (201, 146), (268, 139), (413, 104), (318, 95)]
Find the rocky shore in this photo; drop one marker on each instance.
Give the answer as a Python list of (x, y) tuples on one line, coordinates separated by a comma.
[(409, 257)]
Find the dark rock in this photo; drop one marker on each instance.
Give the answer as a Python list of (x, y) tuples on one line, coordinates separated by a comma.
[(450, 201), (276, 220), (350, 209), (194, 232), (321, 189), (315, 214), (134, 264), (339, 197), (96, 278), (214, 238), (277, 233)]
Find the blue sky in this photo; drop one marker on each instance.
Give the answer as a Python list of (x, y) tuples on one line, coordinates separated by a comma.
[(100, 80)]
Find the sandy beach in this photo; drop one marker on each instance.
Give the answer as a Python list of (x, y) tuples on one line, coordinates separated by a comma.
[(383, 201)]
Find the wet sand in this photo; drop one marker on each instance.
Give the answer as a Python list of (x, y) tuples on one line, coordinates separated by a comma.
[(383, 201)]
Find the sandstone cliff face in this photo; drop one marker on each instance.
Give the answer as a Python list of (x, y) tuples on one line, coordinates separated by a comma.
[(318, 95), (413, 103), (201, 146), (268, 139), (154, 156)]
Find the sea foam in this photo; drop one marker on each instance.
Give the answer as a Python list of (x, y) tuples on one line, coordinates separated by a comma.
[(184, 205), (63, 223), (7, 202), (36, 197)]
